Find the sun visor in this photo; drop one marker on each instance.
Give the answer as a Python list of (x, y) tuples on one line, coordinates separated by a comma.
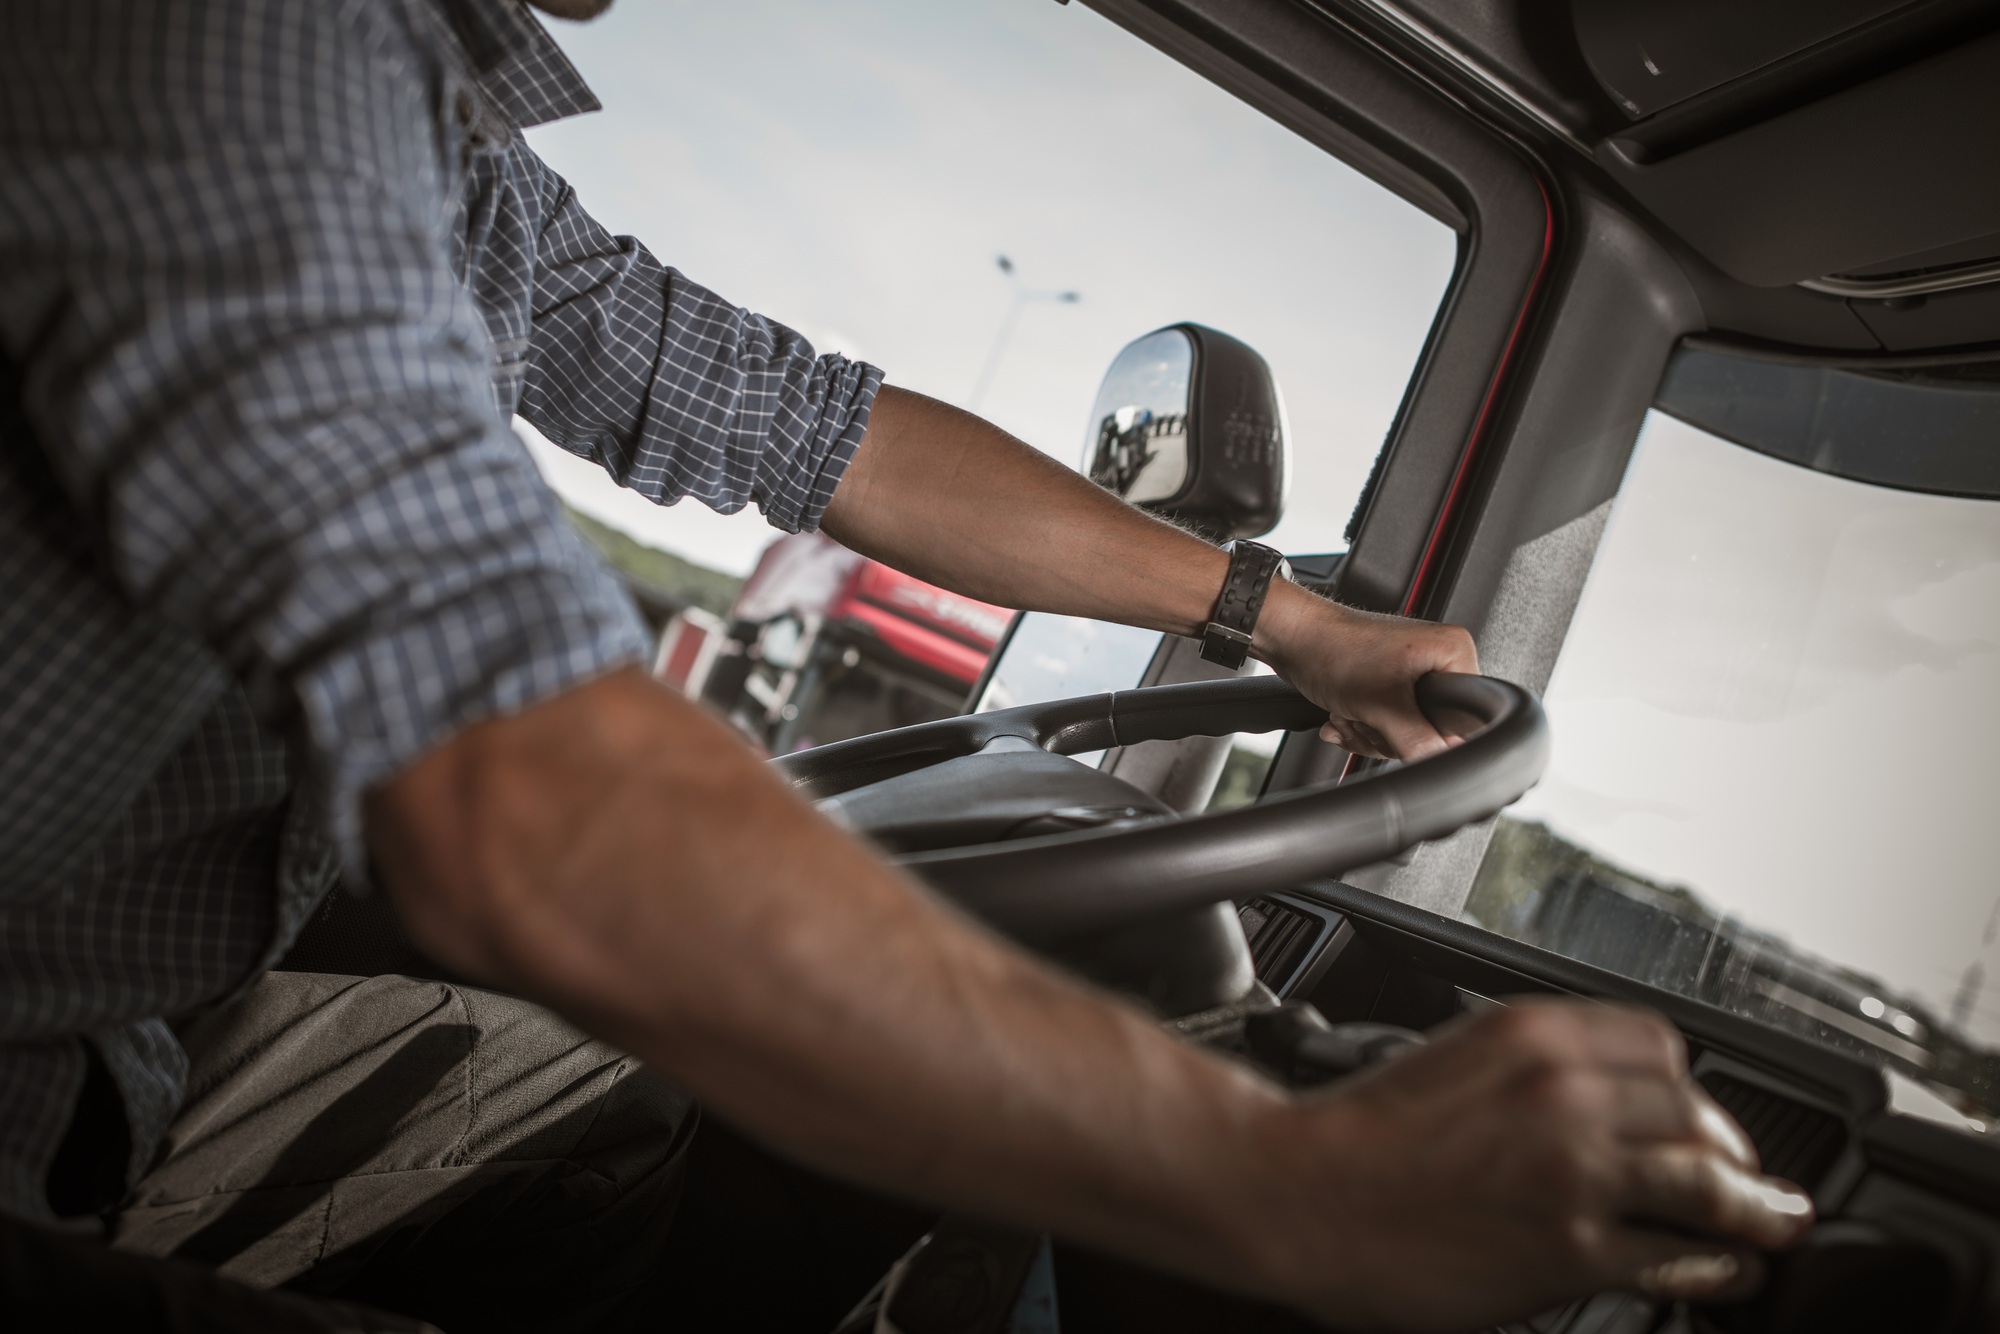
[(1934, 430)]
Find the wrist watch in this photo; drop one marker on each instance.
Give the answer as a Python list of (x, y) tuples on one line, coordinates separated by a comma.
[(1252, 565)]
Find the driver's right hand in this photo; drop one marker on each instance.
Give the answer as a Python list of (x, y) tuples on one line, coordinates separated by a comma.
[(1526, 1156)]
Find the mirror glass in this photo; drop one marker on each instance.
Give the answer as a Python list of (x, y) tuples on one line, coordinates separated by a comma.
[(1137, 444)]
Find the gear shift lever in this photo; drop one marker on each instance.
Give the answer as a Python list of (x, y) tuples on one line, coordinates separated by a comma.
[(1297, 1043)]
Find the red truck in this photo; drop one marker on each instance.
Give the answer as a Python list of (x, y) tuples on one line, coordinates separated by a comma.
[(824, 644)]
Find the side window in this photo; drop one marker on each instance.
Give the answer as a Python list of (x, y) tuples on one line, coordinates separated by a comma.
[(1773, 778), (988, 199)]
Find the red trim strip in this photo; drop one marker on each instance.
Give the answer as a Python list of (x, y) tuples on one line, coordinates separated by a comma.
[(1425, 567), (1420, 585)]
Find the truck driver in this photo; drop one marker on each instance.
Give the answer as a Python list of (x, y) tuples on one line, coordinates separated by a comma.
[(286, 600)]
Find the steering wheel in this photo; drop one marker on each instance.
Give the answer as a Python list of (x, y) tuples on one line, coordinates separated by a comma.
[(1127, 859)]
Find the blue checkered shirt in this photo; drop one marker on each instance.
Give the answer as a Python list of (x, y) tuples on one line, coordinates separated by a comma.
[(273, 276)]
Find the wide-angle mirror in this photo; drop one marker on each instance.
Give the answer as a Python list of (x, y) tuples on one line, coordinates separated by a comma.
[(1189, 423)]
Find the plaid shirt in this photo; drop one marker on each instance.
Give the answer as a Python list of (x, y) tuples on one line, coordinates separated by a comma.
[(273, 275)]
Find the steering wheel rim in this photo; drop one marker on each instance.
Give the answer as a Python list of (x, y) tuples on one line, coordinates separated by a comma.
[(1067, 885)]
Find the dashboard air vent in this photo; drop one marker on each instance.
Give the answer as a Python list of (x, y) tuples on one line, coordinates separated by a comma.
[(1280, 938), (1796, 1142)]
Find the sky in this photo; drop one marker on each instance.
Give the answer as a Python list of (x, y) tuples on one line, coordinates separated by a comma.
[(853, 168), (1782, 690)]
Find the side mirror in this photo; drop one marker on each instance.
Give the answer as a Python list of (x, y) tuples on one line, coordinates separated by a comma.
[(1189, 424)]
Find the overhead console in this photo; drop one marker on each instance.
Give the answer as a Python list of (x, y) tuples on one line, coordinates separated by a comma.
[(1828, 165), (1805, 140), (1720, 64)]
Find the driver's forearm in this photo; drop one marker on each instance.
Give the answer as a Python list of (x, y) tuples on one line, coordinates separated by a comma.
[(617, 855), (953, 499)]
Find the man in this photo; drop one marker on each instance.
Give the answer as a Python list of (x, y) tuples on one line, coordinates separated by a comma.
[(284, 597)]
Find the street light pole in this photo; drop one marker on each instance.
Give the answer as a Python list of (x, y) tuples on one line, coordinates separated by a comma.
[(1021, 297)]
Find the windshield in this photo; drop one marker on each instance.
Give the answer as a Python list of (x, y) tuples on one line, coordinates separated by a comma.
[(1776, 727)]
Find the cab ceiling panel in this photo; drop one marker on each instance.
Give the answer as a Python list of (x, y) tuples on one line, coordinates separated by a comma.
[(1653, 54), (1904, 163), (1811, 164)]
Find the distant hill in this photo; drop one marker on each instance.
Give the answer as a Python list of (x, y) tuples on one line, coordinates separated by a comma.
[(662, 582)]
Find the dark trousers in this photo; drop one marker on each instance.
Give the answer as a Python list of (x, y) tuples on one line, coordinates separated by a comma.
[(393, 1154), (446, 1153)]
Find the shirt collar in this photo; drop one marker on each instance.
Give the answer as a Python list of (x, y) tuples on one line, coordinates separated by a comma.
[(520, 67)]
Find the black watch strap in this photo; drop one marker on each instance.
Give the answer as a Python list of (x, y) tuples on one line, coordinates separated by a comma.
[(1252, 565)]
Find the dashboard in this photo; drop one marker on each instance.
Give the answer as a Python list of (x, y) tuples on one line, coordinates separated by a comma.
[(1909, 1210)]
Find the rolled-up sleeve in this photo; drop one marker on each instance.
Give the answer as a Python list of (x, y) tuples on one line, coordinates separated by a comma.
[(673, 390), (245, 356)]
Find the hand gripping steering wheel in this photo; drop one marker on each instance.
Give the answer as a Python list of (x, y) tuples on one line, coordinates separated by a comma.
[(1052, 887)]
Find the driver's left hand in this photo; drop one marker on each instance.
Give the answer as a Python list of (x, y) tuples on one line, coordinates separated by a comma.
[(1362, 668)]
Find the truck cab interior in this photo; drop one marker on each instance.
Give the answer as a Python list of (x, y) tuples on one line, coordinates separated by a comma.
[(1776, 223)]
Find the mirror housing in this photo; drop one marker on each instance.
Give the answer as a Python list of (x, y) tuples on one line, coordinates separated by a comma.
[(1189, 423)]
